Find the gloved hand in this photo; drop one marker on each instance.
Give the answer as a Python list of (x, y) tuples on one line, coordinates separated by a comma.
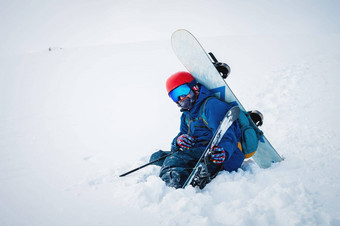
[(218, 155), (185, 141)]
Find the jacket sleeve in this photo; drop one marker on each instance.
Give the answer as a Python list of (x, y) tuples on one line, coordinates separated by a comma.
[(215, 111), (183, 130)]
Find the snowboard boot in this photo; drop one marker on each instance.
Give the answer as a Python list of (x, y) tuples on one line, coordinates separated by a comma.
[(257, 117), (172, 179)]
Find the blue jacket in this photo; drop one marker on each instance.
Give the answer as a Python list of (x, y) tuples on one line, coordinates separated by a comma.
[(193, 125)]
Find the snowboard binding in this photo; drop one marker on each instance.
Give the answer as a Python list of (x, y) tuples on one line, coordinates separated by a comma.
[(222, 68), (257, 117), (201, 178)]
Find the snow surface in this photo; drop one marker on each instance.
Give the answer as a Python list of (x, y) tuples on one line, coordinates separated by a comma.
[(83, 100)]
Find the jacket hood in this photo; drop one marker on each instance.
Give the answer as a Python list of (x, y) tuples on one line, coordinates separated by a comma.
[(203, 94)]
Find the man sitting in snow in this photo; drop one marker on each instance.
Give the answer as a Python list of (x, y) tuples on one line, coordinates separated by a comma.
[(195, 134)]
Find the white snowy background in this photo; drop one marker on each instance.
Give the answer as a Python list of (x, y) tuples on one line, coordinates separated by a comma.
[(83, 100)]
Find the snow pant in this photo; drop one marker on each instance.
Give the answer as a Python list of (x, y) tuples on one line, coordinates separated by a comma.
[(176, 168)]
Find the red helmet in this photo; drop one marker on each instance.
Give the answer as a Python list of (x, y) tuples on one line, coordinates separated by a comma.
[(180, 78)]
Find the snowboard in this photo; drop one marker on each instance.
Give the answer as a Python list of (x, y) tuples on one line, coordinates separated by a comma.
[(201, 167), (192, 55)]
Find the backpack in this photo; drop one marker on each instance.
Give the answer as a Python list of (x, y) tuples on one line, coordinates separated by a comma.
[(251, 134)]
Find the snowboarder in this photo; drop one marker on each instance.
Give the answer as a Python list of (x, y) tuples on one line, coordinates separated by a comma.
[(196, 131)]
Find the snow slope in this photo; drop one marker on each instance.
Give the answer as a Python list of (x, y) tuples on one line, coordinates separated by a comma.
[(74, 118)]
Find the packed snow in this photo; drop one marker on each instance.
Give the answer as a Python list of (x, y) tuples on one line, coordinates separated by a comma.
[(83, 100)]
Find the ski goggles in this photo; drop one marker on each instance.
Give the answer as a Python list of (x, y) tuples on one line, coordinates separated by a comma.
[(180, 91)]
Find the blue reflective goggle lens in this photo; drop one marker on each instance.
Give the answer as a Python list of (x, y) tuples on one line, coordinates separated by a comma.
[(182, 90)]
